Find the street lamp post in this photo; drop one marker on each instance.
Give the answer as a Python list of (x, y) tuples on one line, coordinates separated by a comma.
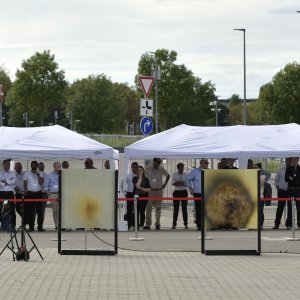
[(76, 124), (245, 112), (25, 117), (216, 109), (55, 116), (156, 75), (70, 118)]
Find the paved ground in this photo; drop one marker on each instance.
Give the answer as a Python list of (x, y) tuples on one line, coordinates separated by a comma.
[(168, 265)]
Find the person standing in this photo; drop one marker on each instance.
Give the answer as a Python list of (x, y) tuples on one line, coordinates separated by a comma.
[(142, 188), (155, 175), (282, 186), (7, 185), (193, 182), (51, 187), (230, 164), (292, 177), (65, 164), (33, 181), (89, 164), (107, 165), (180, 191), (41, 206), (130, 194), (19, 190)]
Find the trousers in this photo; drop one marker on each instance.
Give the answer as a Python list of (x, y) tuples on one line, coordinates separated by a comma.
[(157, 204), (176, 204)]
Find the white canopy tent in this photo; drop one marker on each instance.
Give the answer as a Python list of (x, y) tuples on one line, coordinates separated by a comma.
[(51, 142), (242, 142)]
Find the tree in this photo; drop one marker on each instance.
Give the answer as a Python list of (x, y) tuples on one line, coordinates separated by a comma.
[(182, 97), (235, 116), (279, 99), (38, 89), (101, 105), (6, 83)]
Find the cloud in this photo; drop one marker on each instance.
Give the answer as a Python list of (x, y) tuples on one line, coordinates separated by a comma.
[(97, 36)]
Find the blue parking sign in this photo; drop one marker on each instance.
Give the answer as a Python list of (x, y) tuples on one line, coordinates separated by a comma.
[(146, 125)]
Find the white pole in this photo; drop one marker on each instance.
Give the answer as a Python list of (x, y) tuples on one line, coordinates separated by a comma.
[(136, 238)]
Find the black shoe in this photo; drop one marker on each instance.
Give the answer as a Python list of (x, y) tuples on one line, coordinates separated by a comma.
[(157, 227), (173, 227), (41, 229), (146, 227), (275, 227), (288, 227), (31, 229), (198, 228)]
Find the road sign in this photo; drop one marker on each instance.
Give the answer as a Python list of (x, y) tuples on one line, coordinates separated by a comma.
[(146, 125), (146, 107), (146, 83)]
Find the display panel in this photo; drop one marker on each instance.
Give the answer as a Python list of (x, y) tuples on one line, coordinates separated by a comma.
[(231, 198), (88, 199)]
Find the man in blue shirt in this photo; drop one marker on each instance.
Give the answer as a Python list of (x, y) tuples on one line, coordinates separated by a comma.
[(51, 187), (193, 182)]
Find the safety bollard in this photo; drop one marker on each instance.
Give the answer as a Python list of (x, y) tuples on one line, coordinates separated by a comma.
[(136, 238)]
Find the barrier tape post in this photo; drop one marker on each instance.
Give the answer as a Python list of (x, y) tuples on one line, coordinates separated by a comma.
[(136, 238), (293, 222)]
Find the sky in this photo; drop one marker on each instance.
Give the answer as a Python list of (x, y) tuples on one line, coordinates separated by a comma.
[(97, 36)]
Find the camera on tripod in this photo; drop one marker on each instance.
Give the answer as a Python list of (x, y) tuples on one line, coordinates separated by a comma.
[(22, 253)]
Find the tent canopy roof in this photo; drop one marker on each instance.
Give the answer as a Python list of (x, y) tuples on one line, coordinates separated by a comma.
[(50, 142), (239, 141)]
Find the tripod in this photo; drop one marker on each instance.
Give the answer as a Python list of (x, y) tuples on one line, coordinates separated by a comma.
[(22, 253)]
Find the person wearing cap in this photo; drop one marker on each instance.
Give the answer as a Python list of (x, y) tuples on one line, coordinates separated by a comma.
[(7, 185), (155, 174), (193, 182)]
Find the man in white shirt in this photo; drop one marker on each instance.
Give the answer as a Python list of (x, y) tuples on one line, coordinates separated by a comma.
[(129, 194), (7, 185), (19, 188), (33, 180), (180, 191)]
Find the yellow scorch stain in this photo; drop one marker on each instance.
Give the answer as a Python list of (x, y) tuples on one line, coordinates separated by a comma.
[(88, 209)]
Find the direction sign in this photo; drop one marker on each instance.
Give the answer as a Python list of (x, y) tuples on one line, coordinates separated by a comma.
[(146, 107), (146, 125), (146, 83)]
